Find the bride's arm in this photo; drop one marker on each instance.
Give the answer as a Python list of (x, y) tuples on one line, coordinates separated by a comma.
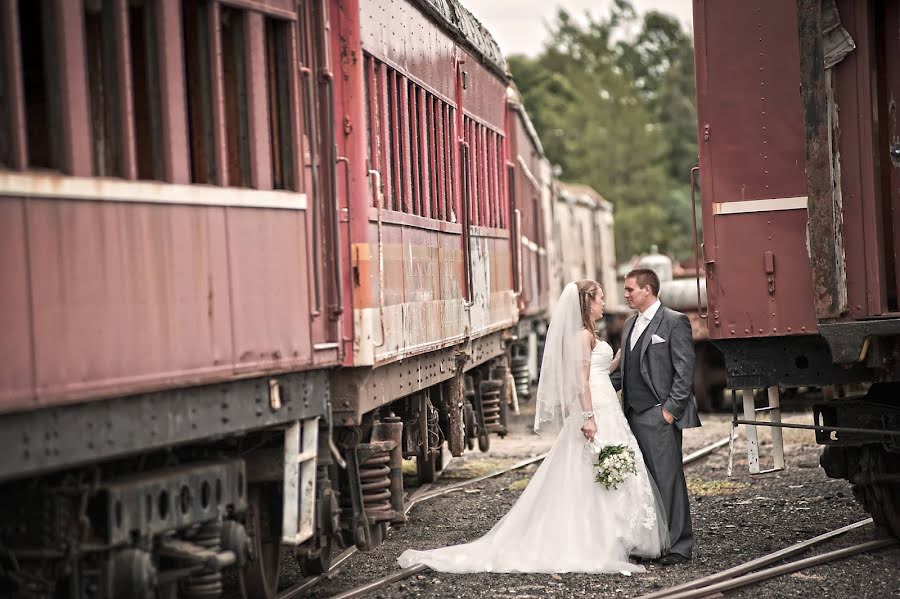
[(615, 361), (590, 427)]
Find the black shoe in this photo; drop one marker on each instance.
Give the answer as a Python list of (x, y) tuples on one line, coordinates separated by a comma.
[(639, 559), (672, 559)]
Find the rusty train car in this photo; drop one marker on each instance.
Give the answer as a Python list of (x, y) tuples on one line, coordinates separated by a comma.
[(800, 184), (254, 253)]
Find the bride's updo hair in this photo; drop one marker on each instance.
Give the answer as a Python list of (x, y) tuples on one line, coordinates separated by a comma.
[(587, 291)]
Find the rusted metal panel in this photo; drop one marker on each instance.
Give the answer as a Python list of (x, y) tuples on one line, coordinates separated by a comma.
[(863, 230), (257, 107), (9, 21), (173, 109), (358, 391), (74, 106), (826, 247), (381, 20), (284, 9), (17, 363), (126, 297), (888, 146), (752, 147), (268, 289)]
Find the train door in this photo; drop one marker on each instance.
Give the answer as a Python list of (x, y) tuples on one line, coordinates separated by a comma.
[(318, 109), (887, 51)]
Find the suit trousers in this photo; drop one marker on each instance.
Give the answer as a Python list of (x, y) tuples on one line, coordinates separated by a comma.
[(660, 442)]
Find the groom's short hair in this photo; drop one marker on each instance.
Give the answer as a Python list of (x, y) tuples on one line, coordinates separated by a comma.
[(644, 277)]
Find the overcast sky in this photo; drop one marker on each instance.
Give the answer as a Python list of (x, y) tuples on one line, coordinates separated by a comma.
[(520, 26)]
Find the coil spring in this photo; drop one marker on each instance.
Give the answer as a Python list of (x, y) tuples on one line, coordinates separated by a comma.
[(522, 376), (205, 585), (375, 482), (490, 404)]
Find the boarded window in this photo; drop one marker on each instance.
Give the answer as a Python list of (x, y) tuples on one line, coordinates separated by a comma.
[(234, 84)]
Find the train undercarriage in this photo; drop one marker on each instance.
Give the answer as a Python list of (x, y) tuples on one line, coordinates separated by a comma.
[(170, 523)]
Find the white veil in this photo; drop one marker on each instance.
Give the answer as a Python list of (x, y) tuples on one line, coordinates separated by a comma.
[(561, 382)]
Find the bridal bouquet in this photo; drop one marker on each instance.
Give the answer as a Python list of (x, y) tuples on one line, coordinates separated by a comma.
[(614, 464)]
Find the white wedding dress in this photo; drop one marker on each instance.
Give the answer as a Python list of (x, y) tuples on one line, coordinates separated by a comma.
[(564, 521)]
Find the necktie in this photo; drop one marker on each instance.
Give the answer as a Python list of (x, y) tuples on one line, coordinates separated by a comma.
[(639, 325)]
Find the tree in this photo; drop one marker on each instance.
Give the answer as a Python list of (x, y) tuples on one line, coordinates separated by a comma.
[(618, 114)]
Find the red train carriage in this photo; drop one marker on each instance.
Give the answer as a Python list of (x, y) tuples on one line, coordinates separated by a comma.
[(166, 316), (529, 176), (431, 303), (253, 253), (800, 180)]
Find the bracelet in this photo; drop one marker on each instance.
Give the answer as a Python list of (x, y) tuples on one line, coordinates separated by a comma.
[(587, 415)]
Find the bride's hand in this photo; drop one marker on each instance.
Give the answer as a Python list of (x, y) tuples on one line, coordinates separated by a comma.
[(589, 429), (615, 361)]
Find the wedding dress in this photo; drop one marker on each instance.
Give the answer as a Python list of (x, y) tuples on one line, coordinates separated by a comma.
[(564, 521)]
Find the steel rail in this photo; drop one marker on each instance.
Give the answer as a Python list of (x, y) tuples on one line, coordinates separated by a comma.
[(761, 575), (740, 570), (407, 572)]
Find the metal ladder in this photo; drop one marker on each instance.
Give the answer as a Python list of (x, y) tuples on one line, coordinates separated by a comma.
[(774, 411), (301, 442)]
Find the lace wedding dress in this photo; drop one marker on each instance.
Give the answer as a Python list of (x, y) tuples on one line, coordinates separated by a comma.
[(564, 521)]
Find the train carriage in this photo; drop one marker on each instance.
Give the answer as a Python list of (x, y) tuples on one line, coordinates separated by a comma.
[(530, 190), (254, 254), (800, 181)]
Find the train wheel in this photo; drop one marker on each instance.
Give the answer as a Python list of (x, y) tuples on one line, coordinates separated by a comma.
[(319, 564), (484, 441), (259, 578), (882, 500), (470, 427)]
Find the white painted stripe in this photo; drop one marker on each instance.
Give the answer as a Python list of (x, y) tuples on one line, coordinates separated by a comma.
[(746, 206), (151, 192)]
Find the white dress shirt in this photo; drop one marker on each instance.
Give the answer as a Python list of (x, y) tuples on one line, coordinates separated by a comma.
[(641, 322)]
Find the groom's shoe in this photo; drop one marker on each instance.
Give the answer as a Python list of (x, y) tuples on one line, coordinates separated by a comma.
[(671, 559)]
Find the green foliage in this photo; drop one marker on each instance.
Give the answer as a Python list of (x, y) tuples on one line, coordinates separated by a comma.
[(617, 112)]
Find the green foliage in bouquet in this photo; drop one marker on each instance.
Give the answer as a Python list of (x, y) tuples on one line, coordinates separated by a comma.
[(614, 464)]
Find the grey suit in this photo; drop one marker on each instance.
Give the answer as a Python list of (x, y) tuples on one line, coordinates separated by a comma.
[(667, 368)]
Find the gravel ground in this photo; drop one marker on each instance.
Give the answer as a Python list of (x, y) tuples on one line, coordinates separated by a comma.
[(735, 520)]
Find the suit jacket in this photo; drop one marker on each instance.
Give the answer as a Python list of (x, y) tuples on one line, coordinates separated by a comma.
[(667, 366)]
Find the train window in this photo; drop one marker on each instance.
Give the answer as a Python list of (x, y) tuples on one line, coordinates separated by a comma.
[(451, 136), (124, 145), (424, 151), (278, 82), (234, 88), (413, 132), (40, 84), (6, 102), (394, 143), (145, 89), (198, 71), (104, 87), (409, 140)]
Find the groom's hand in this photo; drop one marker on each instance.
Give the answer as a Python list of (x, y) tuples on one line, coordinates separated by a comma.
[(669, 418)]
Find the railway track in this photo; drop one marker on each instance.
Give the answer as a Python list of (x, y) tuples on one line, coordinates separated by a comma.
[(426, 493), (755, 571)]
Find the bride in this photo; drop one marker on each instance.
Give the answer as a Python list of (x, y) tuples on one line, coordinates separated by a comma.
[(564, 521)]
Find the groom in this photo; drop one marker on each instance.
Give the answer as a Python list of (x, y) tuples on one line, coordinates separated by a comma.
[(656, 373)]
